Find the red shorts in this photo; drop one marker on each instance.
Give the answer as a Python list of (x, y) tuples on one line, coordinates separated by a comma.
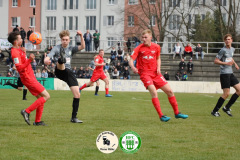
[(97, 76), (33, 85), (153, 79)]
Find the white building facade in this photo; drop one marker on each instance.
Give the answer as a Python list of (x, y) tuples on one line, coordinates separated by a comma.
[(4, 18), (102, 15), (184, 15)]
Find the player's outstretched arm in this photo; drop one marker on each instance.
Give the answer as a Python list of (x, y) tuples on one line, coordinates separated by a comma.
[(47, 61), (217, 61), (82, 46), (158, 65), (21, 67)]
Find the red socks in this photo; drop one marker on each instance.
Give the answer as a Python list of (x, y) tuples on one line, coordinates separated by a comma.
[(84, 86), (156, 104), (39, 112), (106, 89), (40, 101), (173, 102)]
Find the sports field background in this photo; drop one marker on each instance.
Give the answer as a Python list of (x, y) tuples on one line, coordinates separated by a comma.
[(202, 136)]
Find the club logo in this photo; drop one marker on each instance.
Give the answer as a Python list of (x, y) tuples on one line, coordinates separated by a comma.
[(130, 142), (107, 142)]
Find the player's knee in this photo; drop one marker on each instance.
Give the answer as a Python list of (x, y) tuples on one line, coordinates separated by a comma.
[(225, 95), (170, 93), (20, 89), (77, 95)]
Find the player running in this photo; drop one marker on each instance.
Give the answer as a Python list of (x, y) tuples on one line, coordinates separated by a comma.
[(148, 67), (62, 54), (227, 78), (19, 87), (23, 65), (98, 73)]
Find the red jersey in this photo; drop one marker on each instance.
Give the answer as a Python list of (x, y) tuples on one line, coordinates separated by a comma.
[(146, 57), (98, 60), (188, 49), (22, 63)]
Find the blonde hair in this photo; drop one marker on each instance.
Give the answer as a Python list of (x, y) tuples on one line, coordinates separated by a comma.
[(226, 36), (64, 33), (147, 31)]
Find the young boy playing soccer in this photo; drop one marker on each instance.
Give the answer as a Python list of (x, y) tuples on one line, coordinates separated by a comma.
[(62, 54), (227, 78), (98, 73), (23, 65), (148, 67)]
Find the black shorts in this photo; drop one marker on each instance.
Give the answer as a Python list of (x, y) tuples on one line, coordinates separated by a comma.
[(66, 76), (228, 80), (19, 82)]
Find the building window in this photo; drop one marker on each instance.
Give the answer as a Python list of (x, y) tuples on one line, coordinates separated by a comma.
[(220, 2), (224, 17), (65, 4), (153, 21), (51, 23), (190, 3), (1, 3), (51, 41), (52, 5), (33, 3), (91, 22), (111, 41), (174, 22), (130, 21), (110, 20), (32, 22), (174, 3), (70, 20), (189, 21), (112, 2), (71, 4), (14, 21), (132, 2), (152, 1), (76, 4), (91, 4), (64, 23), (203, 17), (171, 42), (14, 3), (76, 23)]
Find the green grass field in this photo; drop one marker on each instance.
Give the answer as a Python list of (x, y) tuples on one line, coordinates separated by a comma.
[(202, 136)]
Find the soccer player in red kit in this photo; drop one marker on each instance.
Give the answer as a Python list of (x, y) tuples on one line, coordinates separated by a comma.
[(98, 73), (148, 67), (23, 65)]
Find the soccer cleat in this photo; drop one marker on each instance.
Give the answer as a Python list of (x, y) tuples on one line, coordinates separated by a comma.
[(75, 120), (108, 95), (25, 116), (80, 89), (96, 94), (24, 99), (216, 114), (7, 83), (41, 123), (180, 115), (165, 118), (227, 111)]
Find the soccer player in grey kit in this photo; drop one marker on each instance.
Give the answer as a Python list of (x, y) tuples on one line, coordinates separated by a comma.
[(227, 78), (62, 54)]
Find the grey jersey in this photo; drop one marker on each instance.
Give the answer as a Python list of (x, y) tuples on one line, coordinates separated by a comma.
[(69, 52), (225, 55)]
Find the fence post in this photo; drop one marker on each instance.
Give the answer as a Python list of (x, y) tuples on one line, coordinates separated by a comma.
[(207, 47)]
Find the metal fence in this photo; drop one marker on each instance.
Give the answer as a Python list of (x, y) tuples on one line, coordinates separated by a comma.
[(166, 47)]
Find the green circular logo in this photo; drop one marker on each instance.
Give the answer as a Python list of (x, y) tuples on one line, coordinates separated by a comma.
[(130, 142)]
